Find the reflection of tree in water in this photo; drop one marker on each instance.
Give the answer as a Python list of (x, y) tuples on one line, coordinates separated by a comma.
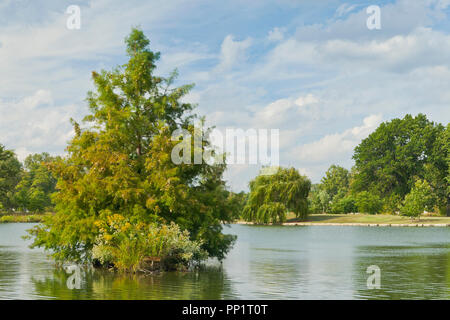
[(96, 284), (407, 272), (275, 273), (10, 271)]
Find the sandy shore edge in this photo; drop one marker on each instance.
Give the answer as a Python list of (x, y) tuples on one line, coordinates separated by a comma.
[(354, 224)]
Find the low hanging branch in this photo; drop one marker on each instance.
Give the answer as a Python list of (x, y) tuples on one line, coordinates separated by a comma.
[(273, 196)]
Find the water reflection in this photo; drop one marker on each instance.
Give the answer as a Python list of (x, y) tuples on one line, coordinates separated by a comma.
[(407, 272), (95, 284), (266, 263)]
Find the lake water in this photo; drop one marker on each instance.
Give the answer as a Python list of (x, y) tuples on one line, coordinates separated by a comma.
[(298, 262)]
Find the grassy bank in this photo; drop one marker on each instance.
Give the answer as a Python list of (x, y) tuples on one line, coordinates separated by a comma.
[(367, 219), (14, 218), (371, 219)]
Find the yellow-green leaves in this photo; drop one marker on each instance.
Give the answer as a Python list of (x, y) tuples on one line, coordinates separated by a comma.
[(272, 196)]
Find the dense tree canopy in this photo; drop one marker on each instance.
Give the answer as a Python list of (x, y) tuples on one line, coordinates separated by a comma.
[(273, 196), (336, 181), (37, 184), (447, 147), (398, 153), (388, 164), (10, 169), (121, 164), (419, 199), (392, 157)]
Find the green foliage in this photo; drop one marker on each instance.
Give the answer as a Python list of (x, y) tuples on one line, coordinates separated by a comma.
[(437, 169), (10, 169), (336, 181), (346, 204), (420, 198), (314, 205), (236, 202), (331, 194), (130, 247), (37, 184), (392, 203), (367, 202), (397, 153), (272, 196), (22, 218), (121, 163), (447, 148), (319, 200)]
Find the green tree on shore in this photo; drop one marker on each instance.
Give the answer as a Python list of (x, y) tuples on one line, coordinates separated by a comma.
[(10, 169), (336, 181), (273, 196), (37, 184), (397, 153), (367, 202), (336, 184), (420, 198), (121, 164), (447, 148)]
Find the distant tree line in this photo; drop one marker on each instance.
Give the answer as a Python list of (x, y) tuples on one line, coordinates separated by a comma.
[(26, 187), (402, 167)]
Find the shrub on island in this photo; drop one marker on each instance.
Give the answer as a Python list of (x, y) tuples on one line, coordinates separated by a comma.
[(134, 247)]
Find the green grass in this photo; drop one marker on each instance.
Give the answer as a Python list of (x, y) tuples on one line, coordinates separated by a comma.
[(22, 218), (369, 218)]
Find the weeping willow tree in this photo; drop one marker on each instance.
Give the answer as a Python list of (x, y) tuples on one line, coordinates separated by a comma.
[(273, 196)]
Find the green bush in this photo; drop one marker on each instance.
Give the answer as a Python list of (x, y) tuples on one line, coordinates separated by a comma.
[(318, 199), (344, 205), (420, 198), (393, 203), (130, 247), (22, 218), (367, 202)]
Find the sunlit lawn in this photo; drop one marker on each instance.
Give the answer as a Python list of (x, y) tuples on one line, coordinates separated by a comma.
[(368, 218)]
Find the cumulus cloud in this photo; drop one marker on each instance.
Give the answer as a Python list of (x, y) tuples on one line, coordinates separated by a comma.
[(337, 145), (280, 111), (314, 76), (345, 8), (276, 34), (35, 124), (232, 52)]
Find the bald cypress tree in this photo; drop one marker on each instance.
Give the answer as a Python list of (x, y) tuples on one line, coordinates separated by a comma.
[(120, 163)]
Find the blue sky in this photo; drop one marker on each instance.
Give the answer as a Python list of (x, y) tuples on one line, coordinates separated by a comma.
[(311, 69)]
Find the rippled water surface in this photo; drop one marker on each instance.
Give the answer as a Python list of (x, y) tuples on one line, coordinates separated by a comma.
[(302, 262)]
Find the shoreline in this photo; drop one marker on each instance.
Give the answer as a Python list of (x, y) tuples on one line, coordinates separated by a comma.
[(348, 224), (15, 218)]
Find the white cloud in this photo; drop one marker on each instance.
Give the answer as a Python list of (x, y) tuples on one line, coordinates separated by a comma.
[(276, 34), (280, 111), (307, 100), (232, 52), (334, 146), (320, 80), (35, 124), (345, 8), (400, 53)]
